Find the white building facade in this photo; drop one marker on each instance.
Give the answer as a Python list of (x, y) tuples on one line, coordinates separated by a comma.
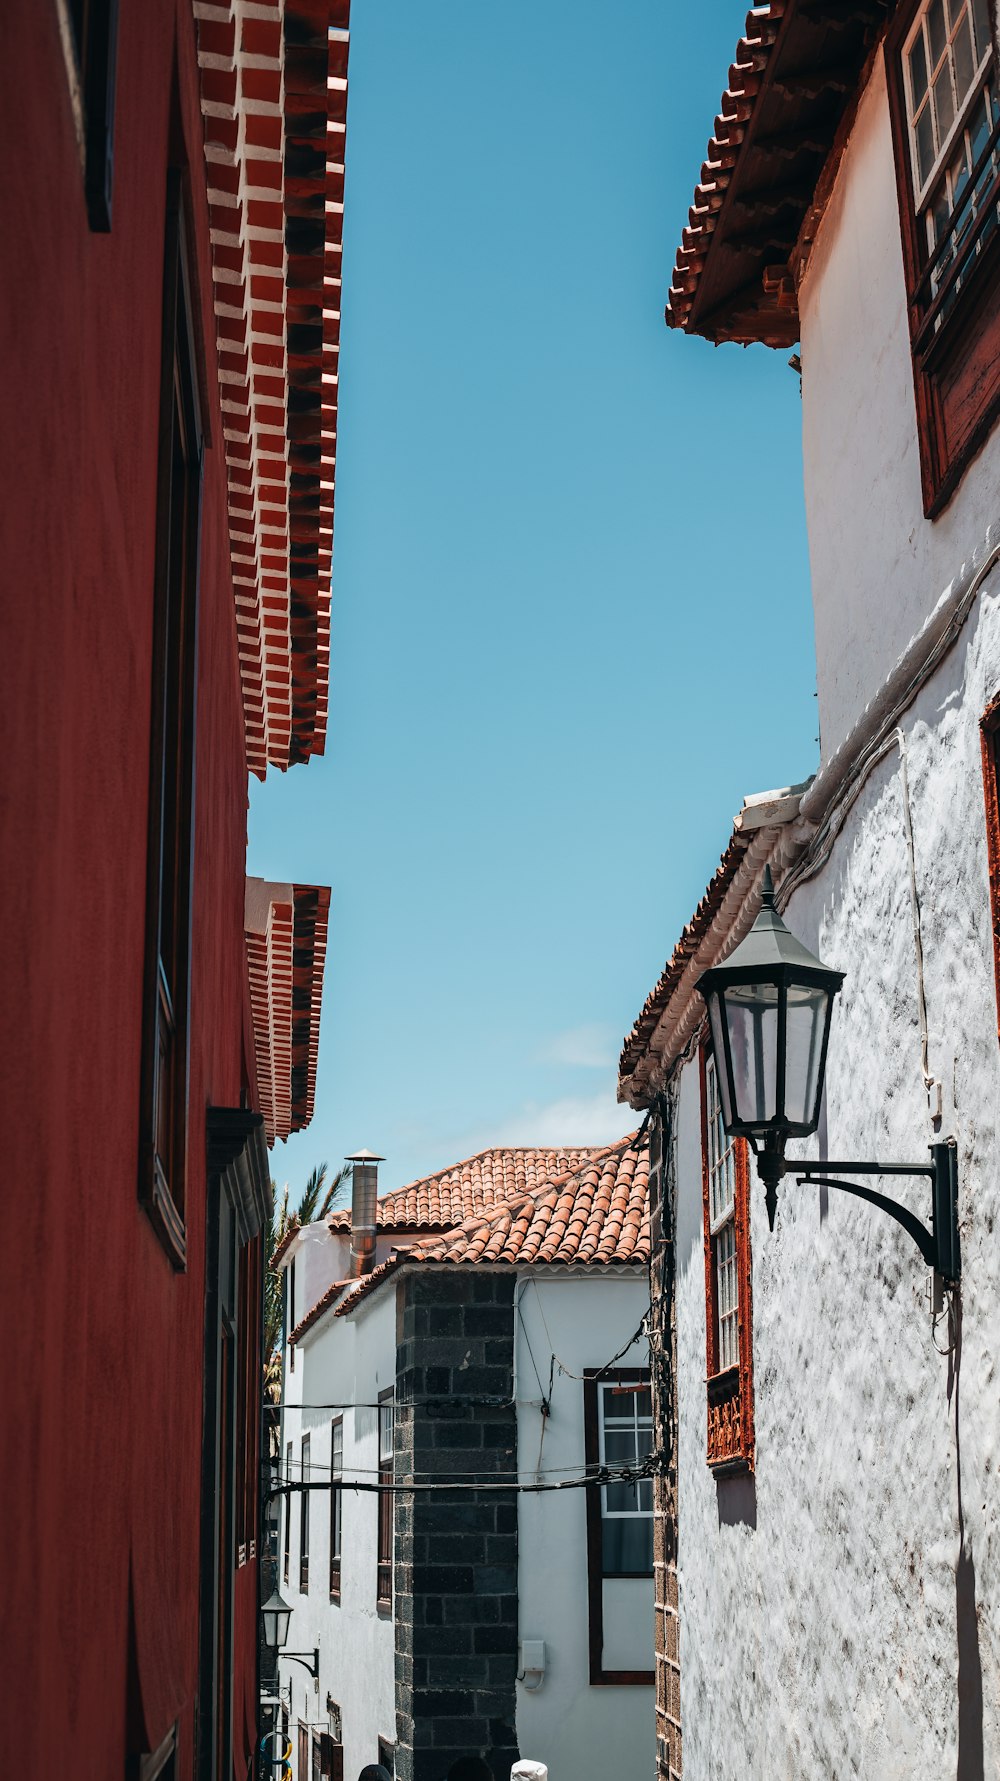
[(492, 1622), (833, 1404)]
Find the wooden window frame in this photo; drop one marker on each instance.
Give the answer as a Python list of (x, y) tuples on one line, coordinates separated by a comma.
[(163, 1112), (729, 1391), (248, 1421), (385, 1501), (599, 1676), (88, 31), (336, 1507), (331, 1755), (304, 1742), (305, 1467), (286, 1551), (956, 367), (157, 1765), (990, 738)]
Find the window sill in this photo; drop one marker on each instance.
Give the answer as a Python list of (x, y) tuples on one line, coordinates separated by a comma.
[(158, 1204)]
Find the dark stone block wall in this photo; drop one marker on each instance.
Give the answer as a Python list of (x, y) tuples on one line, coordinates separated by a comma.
[(455, 1551)]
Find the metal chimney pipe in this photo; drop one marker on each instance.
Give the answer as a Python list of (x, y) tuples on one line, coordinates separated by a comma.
[(364, 1196)]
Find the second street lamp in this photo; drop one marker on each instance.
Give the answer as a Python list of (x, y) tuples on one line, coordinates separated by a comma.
[(275, 1615), (769, 1006)]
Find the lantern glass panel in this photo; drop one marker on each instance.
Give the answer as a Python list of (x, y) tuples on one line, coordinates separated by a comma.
[(752, 1019), (808, 1012), (716, 1017), (276, 1615)]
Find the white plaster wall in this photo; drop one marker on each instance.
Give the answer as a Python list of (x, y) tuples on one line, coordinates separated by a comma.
[(822, 1604), (323, 1256), (582, 1733), (346, 1360), (878, 566)]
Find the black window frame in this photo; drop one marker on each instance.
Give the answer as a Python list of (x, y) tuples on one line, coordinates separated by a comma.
[(306, 1472), (593, 1381), (163, 1136), (90, 41), (385, 1499), (287, 1545), (336, 1506)]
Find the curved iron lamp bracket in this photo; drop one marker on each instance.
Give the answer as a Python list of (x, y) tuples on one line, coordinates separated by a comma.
[(310, 1663), (938, 1245)]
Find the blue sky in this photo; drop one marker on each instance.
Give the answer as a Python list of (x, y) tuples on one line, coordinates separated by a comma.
[(571, 614)]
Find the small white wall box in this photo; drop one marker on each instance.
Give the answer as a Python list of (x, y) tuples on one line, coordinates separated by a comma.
[(532, 1662)]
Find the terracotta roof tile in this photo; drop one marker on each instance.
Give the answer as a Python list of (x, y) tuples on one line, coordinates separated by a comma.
[(443, 1200), (595, 1213), (644, 1026), (330, 1297)]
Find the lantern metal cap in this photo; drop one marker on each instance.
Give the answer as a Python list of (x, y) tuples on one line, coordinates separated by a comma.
[(769, 947)]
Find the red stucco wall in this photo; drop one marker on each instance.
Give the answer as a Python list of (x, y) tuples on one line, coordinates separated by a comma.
[(101, 1470)]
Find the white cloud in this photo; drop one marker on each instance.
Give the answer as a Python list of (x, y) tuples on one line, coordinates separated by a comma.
[(575, 1119), (588, 1047)]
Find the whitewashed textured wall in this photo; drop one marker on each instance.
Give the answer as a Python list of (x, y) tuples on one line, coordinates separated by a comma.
[(840, 1613), (877, 565), (833, 1620)]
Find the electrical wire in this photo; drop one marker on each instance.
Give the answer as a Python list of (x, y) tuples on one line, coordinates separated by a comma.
[(649, 1466)]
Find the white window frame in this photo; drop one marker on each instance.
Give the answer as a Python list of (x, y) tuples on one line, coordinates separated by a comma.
[(973, 9), (722, 1224), (639, 1425)]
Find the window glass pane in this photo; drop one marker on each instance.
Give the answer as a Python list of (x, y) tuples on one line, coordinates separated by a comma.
[(980, 125), (918, 70), (965, 61), (925, 143), (621, 1498), (727, 1297), (625, 1406), (981, 18), (619, 1447), (385, 1432), (944, 101), (628, 1545), (936, 30), (721, 1155)]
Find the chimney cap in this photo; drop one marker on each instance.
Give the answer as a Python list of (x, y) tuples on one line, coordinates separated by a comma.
[(364, 1156)]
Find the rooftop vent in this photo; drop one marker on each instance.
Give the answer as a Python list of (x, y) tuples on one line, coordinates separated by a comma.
[(364, 1195)]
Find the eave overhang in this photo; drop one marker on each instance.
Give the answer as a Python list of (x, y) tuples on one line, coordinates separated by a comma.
[(767, 831), (286, 937), (274, 108), (797, 74)]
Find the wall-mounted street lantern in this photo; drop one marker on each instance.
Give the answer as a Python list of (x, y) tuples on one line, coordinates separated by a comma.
[(276, 1615), (769, 1008)]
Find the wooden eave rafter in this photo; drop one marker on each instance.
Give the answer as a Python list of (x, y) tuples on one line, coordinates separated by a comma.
[(286, 938), (274, 107), (798, 68)]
